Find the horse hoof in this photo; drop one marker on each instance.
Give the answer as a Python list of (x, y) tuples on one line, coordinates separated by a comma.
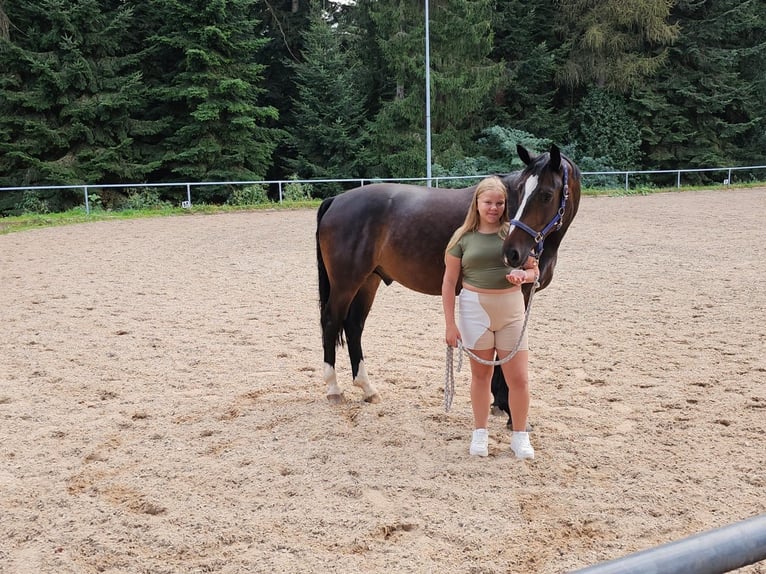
[(372, 399), (335, 399)]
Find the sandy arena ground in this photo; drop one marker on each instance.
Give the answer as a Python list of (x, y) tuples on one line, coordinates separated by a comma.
[(162, 408)]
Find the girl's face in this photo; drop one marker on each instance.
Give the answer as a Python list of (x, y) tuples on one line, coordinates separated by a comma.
[(491, 206)]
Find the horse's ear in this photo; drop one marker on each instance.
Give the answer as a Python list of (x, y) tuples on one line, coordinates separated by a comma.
[(555, 154), (523, 154)]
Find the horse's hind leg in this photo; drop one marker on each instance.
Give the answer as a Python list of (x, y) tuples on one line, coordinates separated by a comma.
[(331, 329), (353, 326)]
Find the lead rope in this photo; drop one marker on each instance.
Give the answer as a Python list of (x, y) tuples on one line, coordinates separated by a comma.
[(449, 378)]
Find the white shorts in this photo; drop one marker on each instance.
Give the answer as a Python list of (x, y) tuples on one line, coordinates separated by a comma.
[(491, 321)]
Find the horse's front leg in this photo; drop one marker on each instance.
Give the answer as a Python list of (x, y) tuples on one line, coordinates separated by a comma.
[(354, 326)]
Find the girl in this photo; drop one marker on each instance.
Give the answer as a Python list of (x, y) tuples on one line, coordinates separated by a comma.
[(491, 316)]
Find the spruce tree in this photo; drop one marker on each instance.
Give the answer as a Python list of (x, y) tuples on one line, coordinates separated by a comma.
[(705, 109), (526, 43), (281, 24), (328, 133), (606, 131), (206, 88), (463, 80), (69, 94)]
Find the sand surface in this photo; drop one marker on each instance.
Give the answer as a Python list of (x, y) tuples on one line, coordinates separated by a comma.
[(162, 407)]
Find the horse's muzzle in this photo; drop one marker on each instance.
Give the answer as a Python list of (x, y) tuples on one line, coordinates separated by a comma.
[(512, 257)]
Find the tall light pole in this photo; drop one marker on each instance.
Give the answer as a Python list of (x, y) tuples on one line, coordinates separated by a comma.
[(428, 103)]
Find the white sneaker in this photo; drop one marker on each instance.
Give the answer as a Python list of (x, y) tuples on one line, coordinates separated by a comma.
[(480, 443), (520, 445)]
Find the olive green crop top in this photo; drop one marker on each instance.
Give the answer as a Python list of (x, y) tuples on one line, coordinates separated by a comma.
[(481, 259)]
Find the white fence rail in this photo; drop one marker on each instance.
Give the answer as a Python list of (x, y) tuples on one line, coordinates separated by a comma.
[(87, 189)]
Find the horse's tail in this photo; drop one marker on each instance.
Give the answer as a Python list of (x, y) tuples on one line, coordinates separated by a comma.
[(324, 279)]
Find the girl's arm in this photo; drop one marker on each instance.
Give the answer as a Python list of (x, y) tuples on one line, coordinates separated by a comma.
[(449, 285)]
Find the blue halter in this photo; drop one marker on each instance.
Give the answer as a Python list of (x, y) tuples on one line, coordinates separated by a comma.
[(554, 224)]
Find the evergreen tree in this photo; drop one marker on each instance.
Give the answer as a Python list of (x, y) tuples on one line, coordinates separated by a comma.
[(606, 131), (525, 41), (206, 88), (4, 23), (328, 134), (613, 43), (281, 24), (69, 95), (398, 130), (463, 80), (705, 109)]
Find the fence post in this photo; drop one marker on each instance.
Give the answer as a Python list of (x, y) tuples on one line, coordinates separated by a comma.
[(87, 203), (678, 179), (626, 181)]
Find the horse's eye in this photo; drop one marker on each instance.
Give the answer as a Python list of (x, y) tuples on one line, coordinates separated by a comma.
[(546, 196)]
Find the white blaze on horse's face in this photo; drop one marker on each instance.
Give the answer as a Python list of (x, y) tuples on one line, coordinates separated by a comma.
[(529, 186)]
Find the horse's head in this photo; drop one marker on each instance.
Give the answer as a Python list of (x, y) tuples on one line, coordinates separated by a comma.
[(546, 188)]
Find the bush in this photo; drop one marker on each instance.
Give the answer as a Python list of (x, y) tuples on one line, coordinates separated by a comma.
[(295, 191), (144, 198), (31, 202), (249, 195)]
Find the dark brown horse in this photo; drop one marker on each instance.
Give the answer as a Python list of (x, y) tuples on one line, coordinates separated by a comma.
[(393, 232)]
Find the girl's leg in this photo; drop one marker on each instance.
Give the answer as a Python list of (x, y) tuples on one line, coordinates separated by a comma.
[(517, 378), (481, 391), (516, 374)]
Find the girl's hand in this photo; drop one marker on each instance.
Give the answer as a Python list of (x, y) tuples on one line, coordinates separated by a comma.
[(517, 276), (452, 336)]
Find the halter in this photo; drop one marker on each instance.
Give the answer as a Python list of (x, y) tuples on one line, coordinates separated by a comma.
[(554, 224)]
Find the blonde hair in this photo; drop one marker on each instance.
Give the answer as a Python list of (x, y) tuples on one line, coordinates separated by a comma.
[(471, 223)]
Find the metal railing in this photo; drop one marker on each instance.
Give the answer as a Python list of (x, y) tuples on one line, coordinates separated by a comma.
[(729, 171), (712, 552), (436, 181)]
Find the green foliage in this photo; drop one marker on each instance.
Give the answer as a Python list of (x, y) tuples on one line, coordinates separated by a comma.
[(205, 90), (296, 191), (704, 109), (249, 195), (499, 144), (328, 133), (613, 43), (601, 164), (144, 198), (31, 202), (95, 202), (95, 92), (605, 129), (69, 95), (527, 97), (497, 153), (463, 81)]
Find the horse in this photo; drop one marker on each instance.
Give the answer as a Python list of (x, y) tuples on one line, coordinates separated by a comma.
[(398, 232)]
